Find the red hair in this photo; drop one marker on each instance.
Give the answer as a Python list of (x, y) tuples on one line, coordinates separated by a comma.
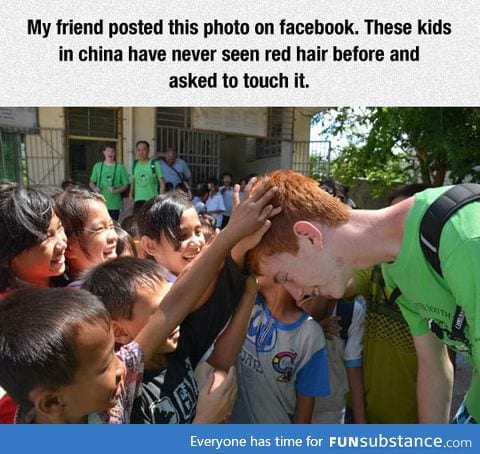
[(301, 199)]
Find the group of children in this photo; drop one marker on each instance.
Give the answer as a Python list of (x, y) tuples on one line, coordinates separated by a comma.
[(78, 354), (100, 325)]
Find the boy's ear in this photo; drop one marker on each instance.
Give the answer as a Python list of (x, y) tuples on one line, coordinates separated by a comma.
[(120, 333), (48, 402), (305, 229), (148, 245)]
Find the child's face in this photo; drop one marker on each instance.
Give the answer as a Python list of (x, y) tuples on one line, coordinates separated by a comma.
[(44, 260), (99, 380), (98, 239), (192, 242), (147, 302)]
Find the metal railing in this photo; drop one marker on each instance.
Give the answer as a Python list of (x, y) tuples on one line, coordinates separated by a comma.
[(34, 157), (311, 158), (199, 149)]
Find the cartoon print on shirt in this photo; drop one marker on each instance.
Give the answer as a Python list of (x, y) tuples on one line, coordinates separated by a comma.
[(283, 363)]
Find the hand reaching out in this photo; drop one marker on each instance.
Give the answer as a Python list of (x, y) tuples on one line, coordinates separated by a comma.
[(215, 405)]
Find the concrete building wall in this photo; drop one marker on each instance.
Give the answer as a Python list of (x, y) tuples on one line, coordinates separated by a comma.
[(139, 123), (51, 117)]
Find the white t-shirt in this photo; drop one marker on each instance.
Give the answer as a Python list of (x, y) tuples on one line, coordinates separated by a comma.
[(215, 203)]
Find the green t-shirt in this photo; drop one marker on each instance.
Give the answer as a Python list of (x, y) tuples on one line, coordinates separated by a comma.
[(426, 297), (103, 176), (389, 358), (145, 180)]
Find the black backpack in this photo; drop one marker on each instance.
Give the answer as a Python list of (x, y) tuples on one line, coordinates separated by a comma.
[(431, 227), (345, 312)]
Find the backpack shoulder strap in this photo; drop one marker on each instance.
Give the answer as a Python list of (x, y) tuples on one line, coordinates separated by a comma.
[(99, 179), (345, 312), (152, 165), (438, 214), (133, 167)]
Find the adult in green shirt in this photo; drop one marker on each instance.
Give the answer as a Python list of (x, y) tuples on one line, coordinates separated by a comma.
[(110, 179), (146, 176), (316, 244)]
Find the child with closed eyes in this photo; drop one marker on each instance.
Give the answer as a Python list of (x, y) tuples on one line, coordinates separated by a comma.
[(90, 231)]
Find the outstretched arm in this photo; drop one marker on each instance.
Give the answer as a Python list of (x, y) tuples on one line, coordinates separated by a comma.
[(251, 215), (230, 341)]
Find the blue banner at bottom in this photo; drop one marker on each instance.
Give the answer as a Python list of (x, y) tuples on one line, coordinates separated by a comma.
[(202, 439)]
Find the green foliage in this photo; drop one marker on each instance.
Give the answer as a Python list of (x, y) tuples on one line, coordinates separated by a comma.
[(391, 145)]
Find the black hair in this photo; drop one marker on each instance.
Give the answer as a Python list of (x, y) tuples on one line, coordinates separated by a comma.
[(405, 191), (184, 187), (24, 222), (73, 208), (38, 332), (129, 224), (124, 241), (116, 282), (143, 141), (224, 174), (213, 180), (334, 187), (203, 189), (163, 214)]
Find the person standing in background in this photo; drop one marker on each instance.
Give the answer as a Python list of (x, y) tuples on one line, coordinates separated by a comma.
[(175, 170), (227, 193), (214, 203), (110, 179), (146, 176)]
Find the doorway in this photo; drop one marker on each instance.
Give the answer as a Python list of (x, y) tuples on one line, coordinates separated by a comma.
[(88, 128)]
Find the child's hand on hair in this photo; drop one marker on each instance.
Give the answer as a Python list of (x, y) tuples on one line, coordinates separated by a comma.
[(253, 211)]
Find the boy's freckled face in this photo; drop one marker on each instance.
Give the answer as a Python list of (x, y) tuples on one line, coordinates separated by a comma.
[(99, 379), (308, 272)]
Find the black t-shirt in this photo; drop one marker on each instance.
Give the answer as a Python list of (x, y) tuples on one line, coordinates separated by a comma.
[(169, 395)]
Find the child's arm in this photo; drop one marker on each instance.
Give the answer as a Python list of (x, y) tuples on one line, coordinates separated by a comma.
[(230, 341), (215, 407), (240, 250), (251, 214), (353, 362), (161, 182), (132, 187), (304, 409), (357, 391)]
